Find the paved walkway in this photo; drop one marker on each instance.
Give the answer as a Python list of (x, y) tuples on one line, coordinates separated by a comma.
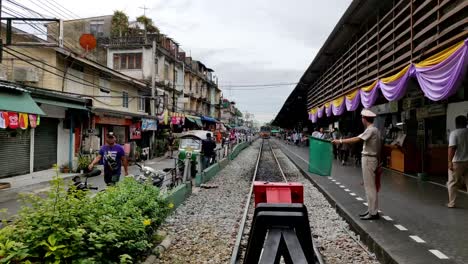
[(39, 182), (417, 226)]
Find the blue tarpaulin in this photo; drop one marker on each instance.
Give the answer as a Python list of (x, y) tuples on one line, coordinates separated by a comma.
[(209, 119)]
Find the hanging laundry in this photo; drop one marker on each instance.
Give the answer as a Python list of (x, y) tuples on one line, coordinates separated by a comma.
[(32, 121), (38, 121), (13, 118), (4, 121), (23, 121)]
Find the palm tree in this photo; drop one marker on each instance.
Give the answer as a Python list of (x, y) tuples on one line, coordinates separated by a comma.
[(119, 24)]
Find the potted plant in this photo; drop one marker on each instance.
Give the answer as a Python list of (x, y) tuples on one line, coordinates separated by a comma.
[(83, 163), (64, 168)]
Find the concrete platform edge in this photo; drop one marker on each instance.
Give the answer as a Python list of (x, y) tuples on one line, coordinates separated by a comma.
[(382, 255)]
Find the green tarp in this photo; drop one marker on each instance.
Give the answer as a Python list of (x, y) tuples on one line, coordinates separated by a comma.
[(195, 120), (19, 102), (320, 156)]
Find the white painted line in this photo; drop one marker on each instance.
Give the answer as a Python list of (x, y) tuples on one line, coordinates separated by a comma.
[(352, 194), (438, 254), (332, 179), (386, 217), (342, 186), (338, 183), (401, 228), (346, 190), (417, 239), (359, 199), (366, 204)]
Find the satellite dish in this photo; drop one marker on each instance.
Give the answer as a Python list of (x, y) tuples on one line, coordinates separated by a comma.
[(87, 42)]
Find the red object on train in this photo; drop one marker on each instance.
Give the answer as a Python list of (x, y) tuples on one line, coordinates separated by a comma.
[(278, 192)]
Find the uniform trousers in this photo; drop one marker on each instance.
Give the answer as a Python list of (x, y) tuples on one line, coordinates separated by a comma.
[(369, 165), (456, 178)]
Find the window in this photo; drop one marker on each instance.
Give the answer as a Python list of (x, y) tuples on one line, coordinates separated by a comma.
[(176, 77), (156, 67), (166, 71), (125, 99), (104, 89), (127, 61), (141, 104), (97, 28), (190, 84)]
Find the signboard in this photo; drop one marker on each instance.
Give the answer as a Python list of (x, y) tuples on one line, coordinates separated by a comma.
[(430, 111), (135, 131), (148, 124), (390, 107)]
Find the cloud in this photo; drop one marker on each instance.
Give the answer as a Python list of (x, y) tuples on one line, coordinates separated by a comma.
[(244, 41)]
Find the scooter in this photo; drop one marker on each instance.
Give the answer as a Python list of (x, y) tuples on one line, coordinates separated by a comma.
[(156, 177)]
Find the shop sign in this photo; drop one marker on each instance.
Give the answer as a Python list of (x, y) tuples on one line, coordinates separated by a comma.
[(112, 121), (390, 107), (430, 111), (411, 103), (148, 124), (135, 131)]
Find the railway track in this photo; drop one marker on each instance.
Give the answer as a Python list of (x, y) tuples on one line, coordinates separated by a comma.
[(268, 169)]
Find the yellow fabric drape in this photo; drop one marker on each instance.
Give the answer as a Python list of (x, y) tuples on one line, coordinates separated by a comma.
[(327, 105), (396, 76), (370, 87), (338, 101), (439, 57), (352, 94), (313, 110)]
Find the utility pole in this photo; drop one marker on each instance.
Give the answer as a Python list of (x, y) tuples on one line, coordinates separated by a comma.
[(174, 87), (153, 91)]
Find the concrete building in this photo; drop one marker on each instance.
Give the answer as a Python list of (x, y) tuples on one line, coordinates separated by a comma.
[(76, 99)]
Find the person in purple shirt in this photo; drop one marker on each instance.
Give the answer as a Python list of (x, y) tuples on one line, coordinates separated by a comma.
[(113, 156)]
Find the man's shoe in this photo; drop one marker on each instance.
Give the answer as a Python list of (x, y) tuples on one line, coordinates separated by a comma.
[(371, 217), (450, 206), (364, 214)]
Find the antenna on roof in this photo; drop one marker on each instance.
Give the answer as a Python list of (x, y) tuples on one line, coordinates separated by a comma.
[(144, 9)]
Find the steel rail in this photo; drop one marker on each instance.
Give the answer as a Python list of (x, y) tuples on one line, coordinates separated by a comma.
[(240, 233)]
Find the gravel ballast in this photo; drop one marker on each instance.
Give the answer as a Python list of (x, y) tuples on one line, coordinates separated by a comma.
[(204, 227), (331, 233)]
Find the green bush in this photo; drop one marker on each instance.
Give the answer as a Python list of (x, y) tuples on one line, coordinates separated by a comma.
[(115, 226)]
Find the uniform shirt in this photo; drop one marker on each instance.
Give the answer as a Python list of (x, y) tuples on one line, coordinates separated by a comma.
[(459, 138), (371, 137)]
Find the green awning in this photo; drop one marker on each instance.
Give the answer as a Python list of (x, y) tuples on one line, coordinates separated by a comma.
[(275, 131), (195, 120), (19, 102), (61, 104)]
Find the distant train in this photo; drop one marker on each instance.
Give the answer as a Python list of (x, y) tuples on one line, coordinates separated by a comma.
[(265, 132)]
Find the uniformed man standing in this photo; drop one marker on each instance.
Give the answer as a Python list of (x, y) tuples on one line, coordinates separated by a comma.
[(370, 161)]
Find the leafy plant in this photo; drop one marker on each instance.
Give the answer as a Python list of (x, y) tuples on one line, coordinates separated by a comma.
[(116, 226), (83, 162)]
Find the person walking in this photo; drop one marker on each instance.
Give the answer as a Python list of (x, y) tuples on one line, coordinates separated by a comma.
[(113, 156), (170, 143), (208, 147), (370, 161), (457, 159)]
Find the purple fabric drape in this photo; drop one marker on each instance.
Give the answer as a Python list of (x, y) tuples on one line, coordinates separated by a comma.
[(352, 105), (320, 112), (368, 98), (395, 90), (440, 81), (338, 110), (314, 118), (328, 110)]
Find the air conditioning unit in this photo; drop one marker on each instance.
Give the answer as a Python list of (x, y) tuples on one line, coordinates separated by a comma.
[(3, 73), (22, 74)]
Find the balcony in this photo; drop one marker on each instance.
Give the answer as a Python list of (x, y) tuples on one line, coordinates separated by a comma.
[(128, 41)]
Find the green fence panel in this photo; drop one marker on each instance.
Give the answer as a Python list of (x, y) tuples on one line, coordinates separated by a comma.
[(320, 156)]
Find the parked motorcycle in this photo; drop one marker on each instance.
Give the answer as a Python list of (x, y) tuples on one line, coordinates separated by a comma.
[(156, 177), (84, 186)]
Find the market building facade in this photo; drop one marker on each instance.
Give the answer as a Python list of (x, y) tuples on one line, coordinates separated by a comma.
[(406, 60)]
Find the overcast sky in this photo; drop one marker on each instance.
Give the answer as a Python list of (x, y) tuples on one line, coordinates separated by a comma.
[(244, 41)]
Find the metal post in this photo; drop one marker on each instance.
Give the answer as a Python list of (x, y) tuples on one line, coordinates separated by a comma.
[(70, 147), (31, 151), (153, 92)]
